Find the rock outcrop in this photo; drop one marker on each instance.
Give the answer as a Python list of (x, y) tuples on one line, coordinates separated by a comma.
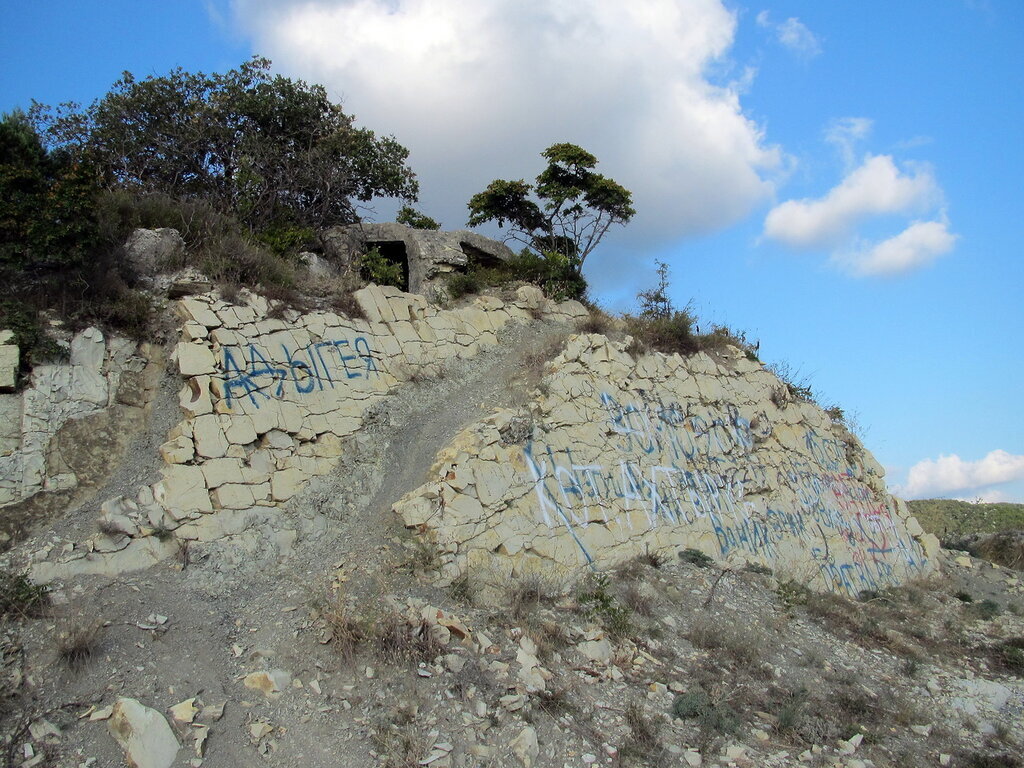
[(267, 403), (620, 456), (75, 414), (617, 455), (429, 255)]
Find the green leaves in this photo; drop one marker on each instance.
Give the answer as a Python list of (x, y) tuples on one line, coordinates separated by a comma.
[(574, 207), (46, 201), (271, 149)]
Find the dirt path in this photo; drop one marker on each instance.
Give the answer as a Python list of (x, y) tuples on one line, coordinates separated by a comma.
[(242, 603)]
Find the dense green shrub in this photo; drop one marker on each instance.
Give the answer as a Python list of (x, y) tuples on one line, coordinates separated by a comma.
[(374, 267), (46, 202), (265, 149)]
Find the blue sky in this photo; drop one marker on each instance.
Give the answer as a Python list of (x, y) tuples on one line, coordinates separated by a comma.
[(840, 180)]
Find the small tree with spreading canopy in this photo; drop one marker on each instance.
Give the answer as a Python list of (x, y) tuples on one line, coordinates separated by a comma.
[(574, 208), (273, 151)]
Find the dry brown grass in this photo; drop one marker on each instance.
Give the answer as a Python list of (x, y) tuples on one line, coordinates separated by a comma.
[(77, 641)]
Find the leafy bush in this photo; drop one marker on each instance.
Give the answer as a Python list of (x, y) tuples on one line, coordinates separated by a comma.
[(597, 603), (696, 557), (412, 218), (461, 284), (46, 202), (986, 609), (267, 149), (373, 266), (710, 715), (285, 240)]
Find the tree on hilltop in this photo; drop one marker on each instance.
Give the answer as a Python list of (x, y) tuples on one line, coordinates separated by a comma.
[(273, 151), (574, 207)]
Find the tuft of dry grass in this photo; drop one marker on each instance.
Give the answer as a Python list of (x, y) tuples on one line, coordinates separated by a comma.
[(741, 642), (77, 642), (529, 593), (643, 743)]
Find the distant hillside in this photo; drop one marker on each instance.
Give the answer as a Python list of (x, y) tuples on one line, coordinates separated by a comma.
[(948, 517)]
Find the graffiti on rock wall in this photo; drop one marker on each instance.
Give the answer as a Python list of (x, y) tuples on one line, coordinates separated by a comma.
[(254, 373), (700, 471)]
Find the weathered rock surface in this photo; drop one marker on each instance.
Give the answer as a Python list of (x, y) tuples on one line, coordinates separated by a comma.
[(268, 402), (10, 359), (429, 254), (75, 415), (148, 251), (660, 454), (144, 735)]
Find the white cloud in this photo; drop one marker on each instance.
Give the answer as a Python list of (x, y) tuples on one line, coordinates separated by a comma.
[(877, 187), (845, 133), (793, 34), (477, 89), (951, 474), (916, 246)]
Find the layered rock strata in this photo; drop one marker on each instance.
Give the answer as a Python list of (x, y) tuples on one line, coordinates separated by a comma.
[(267, 403), (621, 456), (62, 429)]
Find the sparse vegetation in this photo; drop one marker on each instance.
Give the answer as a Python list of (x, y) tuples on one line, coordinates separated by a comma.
[(528, 593), (643, 743), (713, 717), (77, 641), (951, 519), (663, 327), (20, 597), (598, 603), (696, 557), (742, 643)]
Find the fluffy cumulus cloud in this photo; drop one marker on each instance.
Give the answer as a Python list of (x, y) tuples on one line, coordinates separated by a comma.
[(477, 89), (793, 34), (916, 246), (952, 475), (874, 189)]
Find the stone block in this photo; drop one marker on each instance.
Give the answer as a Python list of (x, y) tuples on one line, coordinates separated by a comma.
[(179, 450), (209, 438), (10, 360), (231, 496), (285, 483), (182, 490), (194, 398), (239, 430), (194, 359)]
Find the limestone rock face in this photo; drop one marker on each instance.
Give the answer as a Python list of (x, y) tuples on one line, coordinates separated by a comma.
[(663, 454), (10, 357), (266, 404), (61, 431)]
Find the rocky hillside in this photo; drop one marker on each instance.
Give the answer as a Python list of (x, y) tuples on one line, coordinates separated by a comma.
[(470, 535)]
